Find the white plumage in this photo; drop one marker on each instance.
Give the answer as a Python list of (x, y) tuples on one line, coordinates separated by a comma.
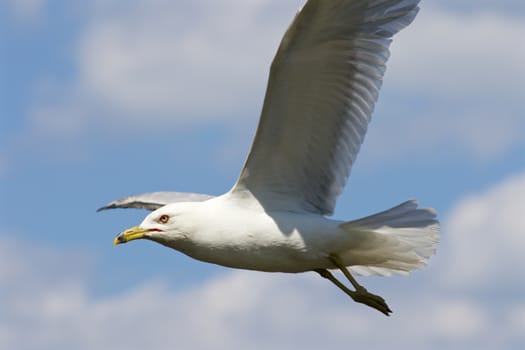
[(324, 82)]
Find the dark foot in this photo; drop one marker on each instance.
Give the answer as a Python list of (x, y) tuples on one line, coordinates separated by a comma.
[(361, 295), (372, 300)]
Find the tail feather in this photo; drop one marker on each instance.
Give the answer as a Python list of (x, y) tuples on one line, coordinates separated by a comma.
[(395, 241)]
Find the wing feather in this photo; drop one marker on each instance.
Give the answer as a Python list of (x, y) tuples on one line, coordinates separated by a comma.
[(323, 84), (154, 200)]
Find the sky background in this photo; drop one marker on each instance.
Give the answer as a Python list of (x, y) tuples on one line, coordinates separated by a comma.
[(102, 99)]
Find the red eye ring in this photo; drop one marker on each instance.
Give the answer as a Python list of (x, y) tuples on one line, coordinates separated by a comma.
[(163, 219)]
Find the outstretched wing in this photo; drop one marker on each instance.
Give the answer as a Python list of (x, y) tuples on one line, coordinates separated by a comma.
[(323, 84), (155, 200)]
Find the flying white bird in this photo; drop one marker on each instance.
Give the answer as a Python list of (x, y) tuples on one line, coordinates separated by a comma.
[(323, 84)]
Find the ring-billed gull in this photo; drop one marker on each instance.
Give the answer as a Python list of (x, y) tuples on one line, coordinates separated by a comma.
[(324, 82)]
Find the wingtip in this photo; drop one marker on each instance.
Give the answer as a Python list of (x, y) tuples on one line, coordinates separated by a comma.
[(106, 207)]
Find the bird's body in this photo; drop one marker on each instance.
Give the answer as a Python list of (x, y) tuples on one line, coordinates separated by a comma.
[(237, 231), (324, 82), (241, 234)]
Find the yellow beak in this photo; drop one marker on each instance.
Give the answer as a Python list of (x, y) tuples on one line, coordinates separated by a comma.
[(130, 234)]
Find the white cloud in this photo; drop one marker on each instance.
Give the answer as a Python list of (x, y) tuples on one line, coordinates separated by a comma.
[(484, 238), (459, 319), (161, 64), (457, 81), (458, 55), (178, 61), (469, 298), (517, 320), (149, 64), (165, 61)]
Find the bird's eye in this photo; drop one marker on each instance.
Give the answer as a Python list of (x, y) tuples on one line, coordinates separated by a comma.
[(164, 219)]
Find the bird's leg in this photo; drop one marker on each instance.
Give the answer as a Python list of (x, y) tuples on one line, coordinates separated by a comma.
[(337, 262), (365, 297), (360, 295), (328, 275)]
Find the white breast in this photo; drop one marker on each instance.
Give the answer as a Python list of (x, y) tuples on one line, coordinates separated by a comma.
[(243, 235)]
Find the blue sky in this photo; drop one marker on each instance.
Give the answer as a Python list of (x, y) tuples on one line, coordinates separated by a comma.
[(103, 99)]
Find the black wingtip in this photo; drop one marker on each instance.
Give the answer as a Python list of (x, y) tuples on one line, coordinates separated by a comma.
[(106, 207)]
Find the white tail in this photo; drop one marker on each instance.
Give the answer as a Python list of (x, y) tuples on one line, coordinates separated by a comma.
[(395, 241)]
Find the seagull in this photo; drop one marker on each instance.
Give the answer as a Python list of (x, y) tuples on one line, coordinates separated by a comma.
[(323, 84)]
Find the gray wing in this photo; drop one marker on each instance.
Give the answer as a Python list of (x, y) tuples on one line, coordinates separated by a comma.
[(155, 200), (323, 84)]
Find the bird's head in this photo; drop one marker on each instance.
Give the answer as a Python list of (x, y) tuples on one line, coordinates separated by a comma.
[(162, 225)]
